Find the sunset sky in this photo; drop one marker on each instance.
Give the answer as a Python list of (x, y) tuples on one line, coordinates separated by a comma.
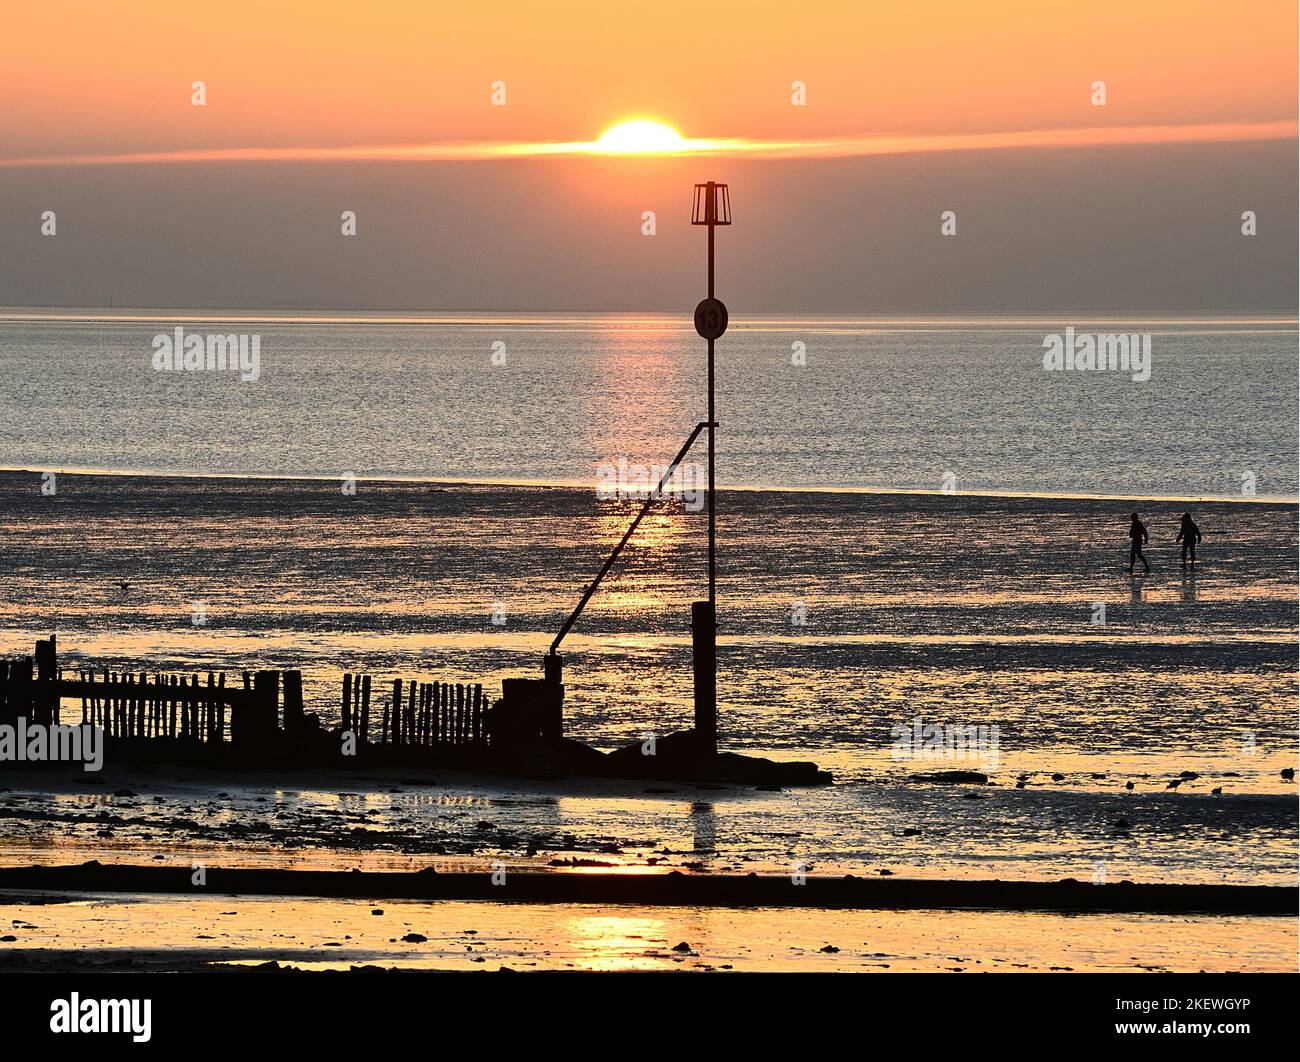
[(1199, 124)]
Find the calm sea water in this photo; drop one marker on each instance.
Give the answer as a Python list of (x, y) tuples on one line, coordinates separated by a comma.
[(886, 404), (844, 614)]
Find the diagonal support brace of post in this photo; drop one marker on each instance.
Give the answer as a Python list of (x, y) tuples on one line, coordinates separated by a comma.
[(609, 563)]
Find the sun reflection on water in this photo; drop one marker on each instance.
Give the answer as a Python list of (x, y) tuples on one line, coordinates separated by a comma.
[(618, 942)]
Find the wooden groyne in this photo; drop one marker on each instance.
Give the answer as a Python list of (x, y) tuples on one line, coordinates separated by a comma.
[(159, 716), (257, 720), (432, 714)]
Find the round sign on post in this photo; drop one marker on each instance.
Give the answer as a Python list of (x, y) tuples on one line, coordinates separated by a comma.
[(711, 318)]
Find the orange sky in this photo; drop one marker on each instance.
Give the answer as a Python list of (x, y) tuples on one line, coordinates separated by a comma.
[(80, 78), (913, 108)]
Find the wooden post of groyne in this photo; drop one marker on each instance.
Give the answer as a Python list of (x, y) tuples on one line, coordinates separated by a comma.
[(293, 709), (45, 706), (365, 710)]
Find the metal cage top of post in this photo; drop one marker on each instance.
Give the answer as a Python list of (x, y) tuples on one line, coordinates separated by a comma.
[(712, 205)]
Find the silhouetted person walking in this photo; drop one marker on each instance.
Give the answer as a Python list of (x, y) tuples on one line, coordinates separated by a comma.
[(1137, 534), (1189, 534)]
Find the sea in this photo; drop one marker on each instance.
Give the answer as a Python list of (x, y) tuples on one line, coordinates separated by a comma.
[(919, 526)]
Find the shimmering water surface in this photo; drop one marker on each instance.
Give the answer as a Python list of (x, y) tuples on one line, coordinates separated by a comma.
[(874, 403)]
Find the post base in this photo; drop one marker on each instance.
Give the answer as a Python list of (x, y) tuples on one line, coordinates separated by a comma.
[(704, 636)]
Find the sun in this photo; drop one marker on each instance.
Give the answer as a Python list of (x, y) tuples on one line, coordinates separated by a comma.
[(641, 136)]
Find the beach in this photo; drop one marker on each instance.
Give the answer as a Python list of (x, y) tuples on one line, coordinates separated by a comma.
[(1187, 675), (1125, 729), (91, 933)]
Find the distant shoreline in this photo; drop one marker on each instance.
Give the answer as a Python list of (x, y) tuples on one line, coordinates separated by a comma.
[(561, 484)]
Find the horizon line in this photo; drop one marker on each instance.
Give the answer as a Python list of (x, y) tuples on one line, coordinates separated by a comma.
[(563, 484), (311, 314), (710, 147)]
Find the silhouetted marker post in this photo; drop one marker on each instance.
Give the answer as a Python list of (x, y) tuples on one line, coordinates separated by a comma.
[(712, 207)]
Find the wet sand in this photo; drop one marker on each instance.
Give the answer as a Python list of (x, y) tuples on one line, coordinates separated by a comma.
[(1149, 747), (65, 932), (392, 821)]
